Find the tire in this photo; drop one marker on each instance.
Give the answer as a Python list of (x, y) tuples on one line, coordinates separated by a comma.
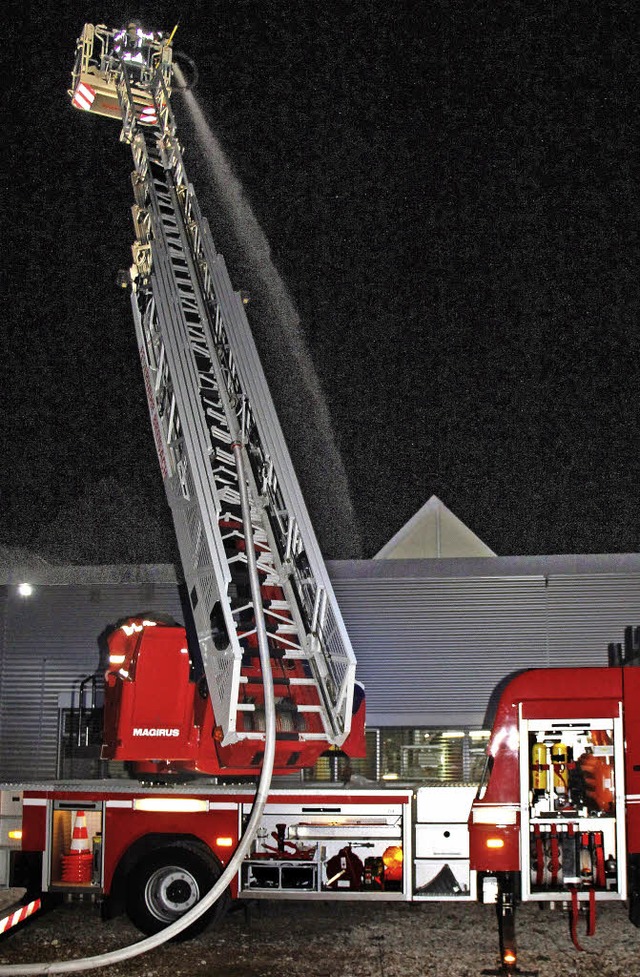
[(166, 883)]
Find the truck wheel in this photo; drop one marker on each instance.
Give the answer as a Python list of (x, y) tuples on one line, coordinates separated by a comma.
[(168, 882)]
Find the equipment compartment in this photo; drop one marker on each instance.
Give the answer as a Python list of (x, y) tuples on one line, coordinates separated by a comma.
[(75, 862), (441, 865), (572, 780), (337, 848)]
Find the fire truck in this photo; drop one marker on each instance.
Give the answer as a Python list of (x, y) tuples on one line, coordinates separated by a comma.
[(556, 818)]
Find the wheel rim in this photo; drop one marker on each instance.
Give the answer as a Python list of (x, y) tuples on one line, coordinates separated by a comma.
[(170, 892)]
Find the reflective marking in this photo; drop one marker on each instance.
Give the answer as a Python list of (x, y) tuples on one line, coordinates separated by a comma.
[(19, 915)]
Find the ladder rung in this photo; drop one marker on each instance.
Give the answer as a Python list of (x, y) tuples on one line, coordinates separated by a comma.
[(258, 680), (298, 736)]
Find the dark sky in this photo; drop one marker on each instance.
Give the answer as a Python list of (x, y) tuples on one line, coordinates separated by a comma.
[(451, 194)]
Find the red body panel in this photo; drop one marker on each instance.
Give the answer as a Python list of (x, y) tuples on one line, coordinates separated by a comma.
[(34, 826), (485, 859), (149, 697), (631, 687), (123, 827), (157, 715)]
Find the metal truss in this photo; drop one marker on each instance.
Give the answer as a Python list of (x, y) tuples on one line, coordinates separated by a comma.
[(208, 398)]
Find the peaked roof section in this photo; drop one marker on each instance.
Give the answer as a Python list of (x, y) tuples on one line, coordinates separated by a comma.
[(433, 532)]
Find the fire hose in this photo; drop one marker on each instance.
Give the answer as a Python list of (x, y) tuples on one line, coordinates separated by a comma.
[(262, 791)]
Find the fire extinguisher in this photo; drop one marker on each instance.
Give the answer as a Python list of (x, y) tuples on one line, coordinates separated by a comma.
[(539, 768), (560, 761)]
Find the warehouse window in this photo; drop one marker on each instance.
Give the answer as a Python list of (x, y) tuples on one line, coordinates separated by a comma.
[(433, 755), (442, 756), (337, 768)]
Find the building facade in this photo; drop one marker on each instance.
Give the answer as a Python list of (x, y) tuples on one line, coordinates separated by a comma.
[(434, 640)]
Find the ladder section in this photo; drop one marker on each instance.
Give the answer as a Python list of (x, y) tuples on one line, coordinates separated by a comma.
[(204, 401)]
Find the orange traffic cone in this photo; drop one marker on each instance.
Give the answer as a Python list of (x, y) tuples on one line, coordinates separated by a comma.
[(80, 835), (78, 862)]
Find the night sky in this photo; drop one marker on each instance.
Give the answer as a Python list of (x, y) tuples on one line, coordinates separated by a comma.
[(451, 195)]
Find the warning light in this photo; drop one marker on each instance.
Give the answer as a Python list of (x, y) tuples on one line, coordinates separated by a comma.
[(509, 958), (15, 835), (494, 842), (224, 842)]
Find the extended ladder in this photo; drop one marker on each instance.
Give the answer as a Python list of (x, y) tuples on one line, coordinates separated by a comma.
[(208, 399)]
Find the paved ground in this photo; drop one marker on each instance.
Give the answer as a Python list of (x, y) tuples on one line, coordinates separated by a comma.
[(340, 940), (8, 897)]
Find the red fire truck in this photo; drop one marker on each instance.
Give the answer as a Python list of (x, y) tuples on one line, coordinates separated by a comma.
[(555, 820)]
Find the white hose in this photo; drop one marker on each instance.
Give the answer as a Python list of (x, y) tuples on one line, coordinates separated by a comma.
[(135, 949)]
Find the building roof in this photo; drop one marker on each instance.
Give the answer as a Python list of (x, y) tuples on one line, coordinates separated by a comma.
[(433, 532), (18, 565), (558, 565)]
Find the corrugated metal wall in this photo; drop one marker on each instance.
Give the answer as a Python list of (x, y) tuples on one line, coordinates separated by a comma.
[(433, 638), (48, 644), (431, 650)]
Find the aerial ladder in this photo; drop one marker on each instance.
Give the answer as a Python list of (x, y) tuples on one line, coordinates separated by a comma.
[(248, 550)]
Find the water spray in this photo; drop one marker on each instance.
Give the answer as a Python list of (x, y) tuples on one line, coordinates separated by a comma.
[(188, 82), (257, 252)]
